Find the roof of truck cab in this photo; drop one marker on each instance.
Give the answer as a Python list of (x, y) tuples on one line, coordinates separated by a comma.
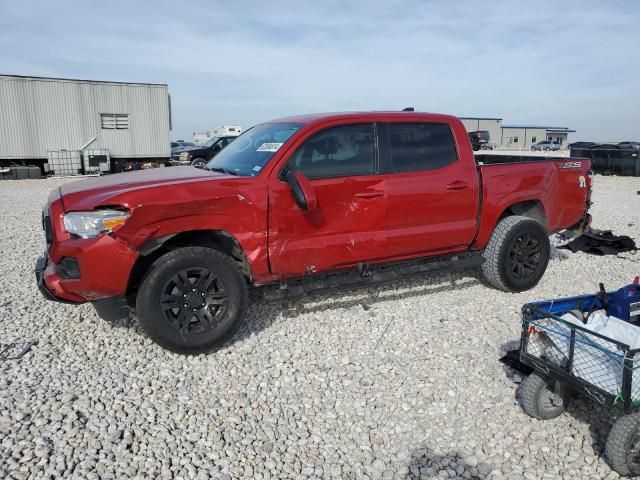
[(360, 116)]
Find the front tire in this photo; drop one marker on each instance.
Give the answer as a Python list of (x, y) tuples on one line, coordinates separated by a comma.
[(539, 400), (623, 445), (192, 300), (199, 163), (517, 254)]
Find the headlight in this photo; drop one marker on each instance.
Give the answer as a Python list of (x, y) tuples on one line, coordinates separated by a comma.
[(92, 224), (184, 156)]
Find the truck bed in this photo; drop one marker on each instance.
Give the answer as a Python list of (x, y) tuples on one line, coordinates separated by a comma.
[(556, 187)]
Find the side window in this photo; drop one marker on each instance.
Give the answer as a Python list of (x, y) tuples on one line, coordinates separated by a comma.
[(421, 146), (337, 152)]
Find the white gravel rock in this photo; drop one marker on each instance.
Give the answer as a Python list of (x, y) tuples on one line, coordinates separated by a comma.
[(301, 391)]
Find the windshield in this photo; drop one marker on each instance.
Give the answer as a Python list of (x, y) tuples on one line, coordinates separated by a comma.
[(210, 142), (250, 152)]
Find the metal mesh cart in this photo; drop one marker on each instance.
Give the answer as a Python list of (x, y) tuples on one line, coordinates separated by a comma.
[(569, 357)]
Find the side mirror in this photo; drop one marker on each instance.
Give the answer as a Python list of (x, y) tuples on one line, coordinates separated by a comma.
[(302, 191)]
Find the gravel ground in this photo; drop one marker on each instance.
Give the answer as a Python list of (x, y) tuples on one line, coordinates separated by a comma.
[(401, 381)]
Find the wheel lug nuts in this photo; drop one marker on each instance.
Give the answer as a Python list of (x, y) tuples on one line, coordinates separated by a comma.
[(185, 295), (185, 305), (194, 309), (202, 294), (193, 289)]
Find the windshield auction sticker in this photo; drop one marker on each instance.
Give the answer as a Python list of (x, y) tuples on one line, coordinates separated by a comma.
[(269, 147)]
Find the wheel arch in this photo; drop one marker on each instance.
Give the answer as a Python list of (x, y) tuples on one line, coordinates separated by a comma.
[(533, 209), (219, 240)]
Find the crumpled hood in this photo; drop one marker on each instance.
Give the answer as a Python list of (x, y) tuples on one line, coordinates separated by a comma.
[(112, 189)]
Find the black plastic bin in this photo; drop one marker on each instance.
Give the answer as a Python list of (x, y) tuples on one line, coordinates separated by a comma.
[(611, 161)]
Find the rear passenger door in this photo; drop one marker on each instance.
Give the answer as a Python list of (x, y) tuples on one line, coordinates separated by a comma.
[(432, 195)]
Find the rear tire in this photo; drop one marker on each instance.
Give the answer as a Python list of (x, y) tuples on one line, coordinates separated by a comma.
[(538, 398), (623, 445), (192, 300), (517, 254)]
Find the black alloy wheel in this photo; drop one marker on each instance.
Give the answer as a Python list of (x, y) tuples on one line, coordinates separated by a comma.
[(525, 256), (194, 301)]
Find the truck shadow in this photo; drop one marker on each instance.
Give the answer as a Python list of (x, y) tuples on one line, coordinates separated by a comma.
[(263, 313), (425, 463)]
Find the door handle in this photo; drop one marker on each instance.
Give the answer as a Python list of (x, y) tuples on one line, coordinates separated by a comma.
[(370, 194), (458, 185)]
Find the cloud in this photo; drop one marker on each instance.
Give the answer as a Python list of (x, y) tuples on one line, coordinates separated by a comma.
[(552, 62)]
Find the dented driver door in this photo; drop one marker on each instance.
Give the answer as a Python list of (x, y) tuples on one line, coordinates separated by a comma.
[(347, 226)]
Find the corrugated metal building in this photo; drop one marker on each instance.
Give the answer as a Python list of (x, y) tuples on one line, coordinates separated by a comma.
[(516, 136), (523, 136), (492, 125), (39, 115)]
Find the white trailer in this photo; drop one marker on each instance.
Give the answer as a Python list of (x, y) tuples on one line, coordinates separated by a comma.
[(222, 131), (42, 116)]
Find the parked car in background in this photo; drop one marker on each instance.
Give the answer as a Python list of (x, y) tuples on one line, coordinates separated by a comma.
[(296, 197), (581, 145), (629, 145), (605, 146), (180, 145), (479, 139), (545, 145), (199, 155)]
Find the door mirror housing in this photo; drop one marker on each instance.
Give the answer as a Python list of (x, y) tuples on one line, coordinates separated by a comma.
[(303, 193)]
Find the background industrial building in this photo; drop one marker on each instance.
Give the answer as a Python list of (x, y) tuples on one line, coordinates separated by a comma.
[(515, 137), (45, 118)]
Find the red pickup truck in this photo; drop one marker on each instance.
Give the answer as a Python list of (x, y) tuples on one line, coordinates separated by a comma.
[(297, 197)]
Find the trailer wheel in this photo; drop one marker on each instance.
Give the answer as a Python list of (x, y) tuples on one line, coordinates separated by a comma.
[(623, 445), (517, 254), (539, 398), (199, 163), (192, 300)]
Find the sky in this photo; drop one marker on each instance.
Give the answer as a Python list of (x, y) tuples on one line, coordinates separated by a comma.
[(555, 63)]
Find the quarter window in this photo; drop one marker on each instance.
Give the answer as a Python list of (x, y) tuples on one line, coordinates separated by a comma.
[(421, 146), (337, 152)]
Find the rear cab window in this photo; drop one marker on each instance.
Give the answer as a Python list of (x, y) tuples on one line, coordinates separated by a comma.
[(414, 147)]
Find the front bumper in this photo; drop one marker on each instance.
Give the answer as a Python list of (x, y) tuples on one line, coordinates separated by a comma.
[(176, 163), (41, 265), (104, 263)]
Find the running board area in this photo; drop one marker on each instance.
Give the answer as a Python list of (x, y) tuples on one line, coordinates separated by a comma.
[(366, 275)]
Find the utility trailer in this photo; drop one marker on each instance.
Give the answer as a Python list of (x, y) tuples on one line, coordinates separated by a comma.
[(73, 125)]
